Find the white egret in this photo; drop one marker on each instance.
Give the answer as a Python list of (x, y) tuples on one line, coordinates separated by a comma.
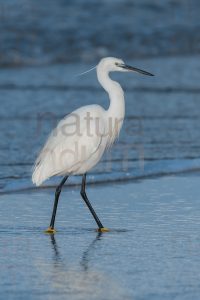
[(80, 139)]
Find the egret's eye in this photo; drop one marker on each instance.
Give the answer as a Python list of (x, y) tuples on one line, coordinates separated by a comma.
[(117, 64)]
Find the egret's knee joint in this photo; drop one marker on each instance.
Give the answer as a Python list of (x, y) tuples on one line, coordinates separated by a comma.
[(58, 190), (82, 193)]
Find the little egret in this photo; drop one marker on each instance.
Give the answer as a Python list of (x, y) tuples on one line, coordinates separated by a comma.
[(80, 139)]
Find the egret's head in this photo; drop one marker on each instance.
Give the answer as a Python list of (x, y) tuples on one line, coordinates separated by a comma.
[(112, 64)]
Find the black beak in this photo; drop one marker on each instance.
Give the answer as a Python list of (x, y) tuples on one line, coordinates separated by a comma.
[(129, 68)]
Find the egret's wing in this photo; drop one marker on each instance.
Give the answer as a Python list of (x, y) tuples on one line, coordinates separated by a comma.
[(73, 143)]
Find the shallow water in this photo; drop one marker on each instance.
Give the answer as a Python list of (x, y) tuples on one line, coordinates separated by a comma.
[(34, 32), (151, 252)]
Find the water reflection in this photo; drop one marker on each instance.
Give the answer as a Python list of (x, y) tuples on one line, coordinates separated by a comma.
[(89, 251), (81, 281), (86, 254), (57, 256)]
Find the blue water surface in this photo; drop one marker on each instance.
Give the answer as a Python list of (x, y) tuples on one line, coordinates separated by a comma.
[(151, 251)]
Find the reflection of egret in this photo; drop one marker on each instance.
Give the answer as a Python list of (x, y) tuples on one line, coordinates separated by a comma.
[(86, 254), (83, 281), (80, 139), (55, 248)]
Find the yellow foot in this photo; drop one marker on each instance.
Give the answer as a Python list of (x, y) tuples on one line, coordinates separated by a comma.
[(50, 230), (104, 229)]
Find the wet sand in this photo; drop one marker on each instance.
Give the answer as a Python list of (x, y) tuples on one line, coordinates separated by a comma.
[(151, 251)]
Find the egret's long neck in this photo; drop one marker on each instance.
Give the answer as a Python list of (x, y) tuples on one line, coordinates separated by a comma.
[(116, 110), (116, 95)]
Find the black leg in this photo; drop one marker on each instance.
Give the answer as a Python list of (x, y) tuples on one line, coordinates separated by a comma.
[(57, 194), (85, 198)]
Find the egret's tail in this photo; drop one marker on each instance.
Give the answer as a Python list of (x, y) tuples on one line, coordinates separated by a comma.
[(44, 169), (38, 175)]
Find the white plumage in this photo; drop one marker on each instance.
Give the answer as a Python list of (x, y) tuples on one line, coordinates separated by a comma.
[(80, 139), (70, 149)]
